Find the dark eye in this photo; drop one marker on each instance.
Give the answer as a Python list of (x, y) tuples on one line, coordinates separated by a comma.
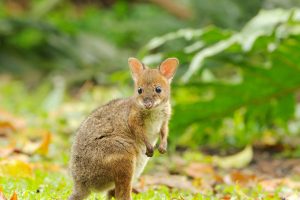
[(140, 90), (158, 89)]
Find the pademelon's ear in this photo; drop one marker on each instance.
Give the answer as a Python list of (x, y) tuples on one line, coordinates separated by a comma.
[(168, 68), (136, 67)]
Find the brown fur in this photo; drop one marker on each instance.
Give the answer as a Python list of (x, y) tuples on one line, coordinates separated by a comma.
[(109, 148)]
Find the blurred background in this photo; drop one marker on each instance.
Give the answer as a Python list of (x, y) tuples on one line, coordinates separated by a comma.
[(238, 84), (232, 92)]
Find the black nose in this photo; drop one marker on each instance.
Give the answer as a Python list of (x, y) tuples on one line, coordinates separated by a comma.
[(148, 103)]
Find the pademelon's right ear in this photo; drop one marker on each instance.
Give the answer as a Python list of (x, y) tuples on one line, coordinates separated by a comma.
[(136, 67)]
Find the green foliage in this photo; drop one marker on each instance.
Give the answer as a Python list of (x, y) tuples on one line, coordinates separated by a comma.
[(53, 37), (89, 42), (234, 14), (237, 12), (234, 87), (30, 46)]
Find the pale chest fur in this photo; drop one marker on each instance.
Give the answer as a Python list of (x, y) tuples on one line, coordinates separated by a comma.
[(153, 124)]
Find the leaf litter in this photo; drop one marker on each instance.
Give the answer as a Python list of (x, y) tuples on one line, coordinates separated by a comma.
[(13, 197), (207, 177), (203, 175)]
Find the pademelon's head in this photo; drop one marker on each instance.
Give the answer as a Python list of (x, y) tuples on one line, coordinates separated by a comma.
[(152, 86)]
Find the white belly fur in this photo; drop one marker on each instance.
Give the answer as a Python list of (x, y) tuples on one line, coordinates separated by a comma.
[(153, 126)]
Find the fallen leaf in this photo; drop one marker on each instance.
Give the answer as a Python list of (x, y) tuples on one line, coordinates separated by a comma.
[(41, 147), (14, 196), (204, 175), (198, 170), (226, 197), (4, 125), (15, 168), (6, 128), (44, 145), (171, 181), (2, 197), (242, 178), (12, 121), (238, 160)]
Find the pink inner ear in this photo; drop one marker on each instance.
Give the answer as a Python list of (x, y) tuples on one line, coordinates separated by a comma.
[(167, 71), (168, 68), (136, 66)]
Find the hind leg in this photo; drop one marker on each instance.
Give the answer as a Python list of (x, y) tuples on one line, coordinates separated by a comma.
[(123, 180), (79, 192)]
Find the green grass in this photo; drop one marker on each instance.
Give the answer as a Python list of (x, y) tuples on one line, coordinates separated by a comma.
[(58, 185), (45, 185)]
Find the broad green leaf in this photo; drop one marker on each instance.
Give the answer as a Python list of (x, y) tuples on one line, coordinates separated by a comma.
[(238, 160)]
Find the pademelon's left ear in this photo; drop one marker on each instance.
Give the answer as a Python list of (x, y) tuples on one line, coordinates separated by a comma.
[(136, 67), (168, 68)]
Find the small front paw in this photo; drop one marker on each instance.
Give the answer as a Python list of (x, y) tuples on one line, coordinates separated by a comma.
[(162, 148), (149, 152)]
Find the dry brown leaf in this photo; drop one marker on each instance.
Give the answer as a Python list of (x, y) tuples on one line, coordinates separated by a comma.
[(5, 125), (14, 196), (242, 178), (226, 197), (198, 170), (205, 177)]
